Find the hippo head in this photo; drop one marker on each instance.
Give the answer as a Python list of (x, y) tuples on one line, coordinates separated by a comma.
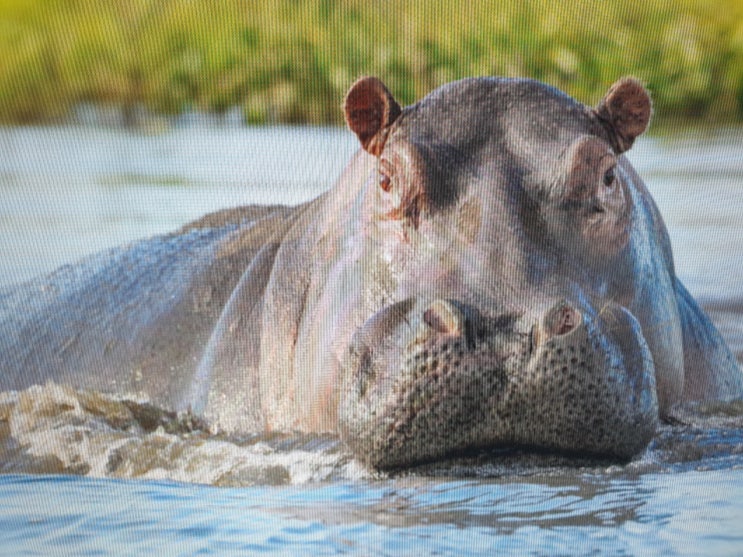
[(498, 218)]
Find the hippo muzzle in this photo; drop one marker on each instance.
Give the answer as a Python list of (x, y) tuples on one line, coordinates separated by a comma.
[(426, 380)]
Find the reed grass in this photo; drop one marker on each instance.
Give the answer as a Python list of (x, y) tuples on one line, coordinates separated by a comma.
[(292, 61)]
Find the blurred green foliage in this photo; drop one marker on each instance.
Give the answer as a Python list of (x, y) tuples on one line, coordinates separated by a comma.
[(292, 61)]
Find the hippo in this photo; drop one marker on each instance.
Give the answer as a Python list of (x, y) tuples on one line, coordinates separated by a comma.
[(489, 271)]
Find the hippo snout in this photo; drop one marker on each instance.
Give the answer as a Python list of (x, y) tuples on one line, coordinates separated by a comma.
[(589, 386), (424, 380)]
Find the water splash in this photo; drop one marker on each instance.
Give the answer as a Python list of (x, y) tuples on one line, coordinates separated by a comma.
[(54, 429)]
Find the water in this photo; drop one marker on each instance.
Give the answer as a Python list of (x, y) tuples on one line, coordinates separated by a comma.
[(584, 515), (139, 481), (68, 192)]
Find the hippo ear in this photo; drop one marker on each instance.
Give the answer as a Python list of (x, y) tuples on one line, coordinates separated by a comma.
[(370, 109), (625, 112)]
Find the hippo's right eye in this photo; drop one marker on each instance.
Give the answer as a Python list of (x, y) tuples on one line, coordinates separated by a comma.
[(385, 173), (385, 182)]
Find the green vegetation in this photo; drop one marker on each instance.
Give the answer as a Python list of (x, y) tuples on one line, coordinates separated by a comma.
[(292, 61)]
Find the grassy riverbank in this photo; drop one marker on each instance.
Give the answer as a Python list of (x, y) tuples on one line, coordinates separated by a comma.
[(289, 61)]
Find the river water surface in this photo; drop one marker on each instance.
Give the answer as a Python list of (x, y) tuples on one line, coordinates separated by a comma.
[(86, 474)]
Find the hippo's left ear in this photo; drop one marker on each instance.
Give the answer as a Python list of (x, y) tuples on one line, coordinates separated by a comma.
[(625, 112), (370, 109)]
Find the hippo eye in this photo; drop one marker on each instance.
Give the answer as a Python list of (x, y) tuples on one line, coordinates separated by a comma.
[(385, 182), (609, 177), (385, 173)]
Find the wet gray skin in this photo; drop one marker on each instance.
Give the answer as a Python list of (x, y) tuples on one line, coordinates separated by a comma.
[(489, 271)]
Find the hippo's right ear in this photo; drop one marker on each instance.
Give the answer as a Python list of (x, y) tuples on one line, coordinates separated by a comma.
[(370, 109), (625, 112)]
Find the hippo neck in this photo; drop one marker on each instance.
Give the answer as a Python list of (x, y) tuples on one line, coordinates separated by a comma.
[(311, 312)]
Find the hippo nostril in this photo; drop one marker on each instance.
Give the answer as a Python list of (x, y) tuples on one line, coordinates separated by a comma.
[(444, 317), (561, 320), (566, 321)]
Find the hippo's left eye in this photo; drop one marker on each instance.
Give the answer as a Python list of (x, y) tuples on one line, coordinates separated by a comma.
[(609, 177)]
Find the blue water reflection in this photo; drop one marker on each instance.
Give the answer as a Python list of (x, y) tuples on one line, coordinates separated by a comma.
[(690, 513)]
